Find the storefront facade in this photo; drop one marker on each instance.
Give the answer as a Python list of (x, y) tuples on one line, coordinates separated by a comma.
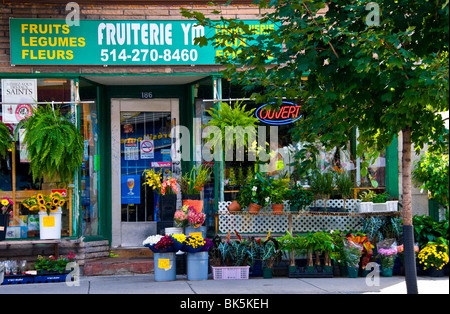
[(127, 74)]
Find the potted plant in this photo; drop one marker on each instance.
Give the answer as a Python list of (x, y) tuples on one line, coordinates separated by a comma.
[(6, 206), (226, 119), (271, 254), (434, 256), (387, 258), (344, 184), (53, 265), (278, 193), (55, 146), (322, 184), (367, 252), (292, 245), (310, 245), (299, 198), (259, 193), (352, 254), (50, 211), (325, 245), (191, 185)]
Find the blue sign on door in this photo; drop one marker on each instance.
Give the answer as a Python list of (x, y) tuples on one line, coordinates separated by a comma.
[(131, 189)]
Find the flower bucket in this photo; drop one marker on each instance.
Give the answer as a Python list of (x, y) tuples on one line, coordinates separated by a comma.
[(197, 204), (165, 266), (4, 220), (234, 207), (197, 266), (50, 225), (192, 231), (254, 208)]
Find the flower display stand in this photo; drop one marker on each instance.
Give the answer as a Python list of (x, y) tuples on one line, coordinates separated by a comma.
[(25, 279)]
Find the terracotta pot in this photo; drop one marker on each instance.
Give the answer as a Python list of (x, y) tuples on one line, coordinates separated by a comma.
[(234, 207), (277, 208), (198, 205), (254, 208)]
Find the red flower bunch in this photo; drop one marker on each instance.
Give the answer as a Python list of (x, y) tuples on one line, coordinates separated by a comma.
[(165, 243)]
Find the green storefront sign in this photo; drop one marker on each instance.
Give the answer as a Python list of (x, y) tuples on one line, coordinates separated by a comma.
[(103, 42)]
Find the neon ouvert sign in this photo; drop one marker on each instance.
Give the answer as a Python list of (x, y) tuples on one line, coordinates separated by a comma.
[(287, 113)]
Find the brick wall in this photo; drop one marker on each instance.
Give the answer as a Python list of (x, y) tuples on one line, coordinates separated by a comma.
[(106, 12)]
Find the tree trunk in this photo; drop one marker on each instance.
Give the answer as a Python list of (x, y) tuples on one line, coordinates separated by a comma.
[(408, 229)]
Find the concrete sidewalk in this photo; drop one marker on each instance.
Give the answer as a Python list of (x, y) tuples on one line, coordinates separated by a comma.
[(145, 284)]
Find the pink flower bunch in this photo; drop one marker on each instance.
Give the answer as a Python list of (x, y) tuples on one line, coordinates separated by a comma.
[(169, 186), (181, 216), (195, 219), (6, 206), (387, 252)]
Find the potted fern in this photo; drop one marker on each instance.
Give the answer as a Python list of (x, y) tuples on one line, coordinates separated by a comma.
[(227, 119), (5, 139), (55, 146)]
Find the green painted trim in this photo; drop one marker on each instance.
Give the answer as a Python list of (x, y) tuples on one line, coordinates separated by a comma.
[(433, 209), (69, 75), (392, 168)]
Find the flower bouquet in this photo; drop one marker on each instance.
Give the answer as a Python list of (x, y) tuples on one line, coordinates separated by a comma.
[(46, 203), (179, 241), (352, 255), (160, 244), (195, 218), (169, 187), (181, 215), (7, 206), (194, 244)]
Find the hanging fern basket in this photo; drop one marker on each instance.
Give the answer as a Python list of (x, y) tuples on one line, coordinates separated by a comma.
[(54, 144)]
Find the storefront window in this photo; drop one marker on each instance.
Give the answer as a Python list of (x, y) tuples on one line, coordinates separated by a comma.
[(89, 179), (15, 167)]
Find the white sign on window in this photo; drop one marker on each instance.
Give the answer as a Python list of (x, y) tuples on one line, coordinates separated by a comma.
[(21, 93)]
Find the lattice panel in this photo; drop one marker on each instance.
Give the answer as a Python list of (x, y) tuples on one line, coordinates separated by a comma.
[(246, 223)]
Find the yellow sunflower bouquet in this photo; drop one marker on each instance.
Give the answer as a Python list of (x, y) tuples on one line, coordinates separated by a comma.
[(48, 203)]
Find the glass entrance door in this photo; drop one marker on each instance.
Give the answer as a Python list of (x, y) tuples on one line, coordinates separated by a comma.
[(140, 139), (145, 144)]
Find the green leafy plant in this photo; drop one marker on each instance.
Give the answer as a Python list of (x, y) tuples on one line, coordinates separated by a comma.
[(367, 196), (299, 198), (427, 230), (256, 191), (53, 264), (292, 245), (381, 197), (278, 190), (55, 146), (5, 139), (192, 183), (322, 183), (431, 173), (227, 119), (270, 252), (344, 184)]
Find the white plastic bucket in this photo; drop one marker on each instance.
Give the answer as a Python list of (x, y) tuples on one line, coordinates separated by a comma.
[(50, 225)]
